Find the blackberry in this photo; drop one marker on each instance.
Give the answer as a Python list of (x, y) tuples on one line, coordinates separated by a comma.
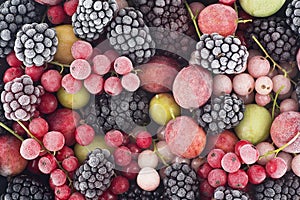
[(135, 192), (222, 112), (227, 193), (292, 13), (2, 114), (276, 37), (20, 98), (180, 182), (298, 92), (92, 17), (13, 14), (35, 44), (122, 112), (284, 188), (220, 55), (94, 176), (130, 36), (25, 187)]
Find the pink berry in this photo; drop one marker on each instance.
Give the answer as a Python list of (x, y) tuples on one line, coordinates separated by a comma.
[(114, 138), (84, 134), (281, 82), (80, 69), (131, 171), (30, 149), (94, 83), (249, 154), (148, 158), (135, 150), (256, 174), (101, 64), (12, 73), (119, 185), (262, 100), (296, 165), (38, 127), (112, 55), (238, 180), (276, 167), (221, 85), (258, 66), (243, 84), (288, 105), (204, 170), (123, 65), (70, 7), (148, 179), (113, 86), (81, 50), (227, 2), (58, 177), (48, 103), (62, 192), (287, 157), (263, 148), (34, 72), (122, 156), (144, 139), (64, 153), (214, 158), (230, 162), (238, 146), (56, 14), (47, 164), (51, 80), (130, 82), (206, 190), (70, 163), (217, 177), (70, 84), (263, 85), (54, 141), (12, 60), (19, 129), (196, 7)]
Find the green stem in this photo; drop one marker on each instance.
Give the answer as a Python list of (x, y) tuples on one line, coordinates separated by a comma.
[(29, 133), (276, 104), (275, 101), (62, 66), (11, 131), (194, 18), (244, 21), (159, 155)]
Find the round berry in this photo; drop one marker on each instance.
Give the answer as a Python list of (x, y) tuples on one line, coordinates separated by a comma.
[(123, 65), (81, 50), (148, 179), (58, 177), (38, 127), (113, 86), (30, 149), (80, 69), (54, 141), (144, 139), (130, 82), (51, 80), (84, 134), (101, 64), (122, 156), (119, 185), (70, 84), (114, 138), (94, 83)]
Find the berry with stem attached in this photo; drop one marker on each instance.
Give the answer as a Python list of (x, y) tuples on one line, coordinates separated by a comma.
[(30, 149)]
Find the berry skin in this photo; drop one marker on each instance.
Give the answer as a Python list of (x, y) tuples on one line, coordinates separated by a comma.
[(113, 86), (131, 171), (276, 167), (70, 84), (54, 141), (108, 195), (204, 170), (81, 50), (249, 154), (30, 149), (206, 189), (58, 177), (38, 127), (34, 72), (263, 148), (47, 164), (130, 82), (263, 85), (214, 158), (119, 185), (123, 65), (217, 177), (12, 73), (76, 196), (80, 69), (114, 138), (281, 82), (70, 163), (256, 174), (64, 153), (48, 103), (243, 84), (230, 162), (258, 66), (84, 134), (238, 146), (62, 192), (135, 150), (148, 158), (94, 83), (19, 129), (101, 64), (122, 156), (12, 60), (70, 7), (56, 14), (51, 80), (144, 139), (238, 180)]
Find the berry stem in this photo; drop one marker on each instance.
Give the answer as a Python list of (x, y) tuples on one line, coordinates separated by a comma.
[(275, 101), (62, 66), (193, 17), (244, 21), (29, 133), (11, 131), (159, 155)]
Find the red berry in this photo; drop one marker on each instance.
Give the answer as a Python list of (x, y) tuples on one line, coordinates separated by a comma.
[(113, 86), (230, 162), (126, 139), (58, 177), (48, 103), (81, 50), (76, 196), (135, 150), (227, 2), (47, 164), (130, 82), (70, 84), (56, 14), (19, 129), (204, 170), (84, 134), (217, 177), (64, 153), (33, 167), (30, 149), (70, 7), (80, 69), (214, 158), (144, 139), (108, 195), (62, 192), (276, 167), (123, 65), (94, 83), (249, 154), (54, 141), (238, 146), (12, 73), (101, 64), (51, 80), (131, 171), (122, 156), (238, 180), (34, 72), (114, 138), (119, 185), (206, 189), (70, 163), (12, 60), (38, 127), (256, 174)]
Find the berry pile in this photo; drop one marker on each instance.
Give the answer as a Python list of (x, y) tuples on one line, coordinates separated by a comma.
[(149, 99)]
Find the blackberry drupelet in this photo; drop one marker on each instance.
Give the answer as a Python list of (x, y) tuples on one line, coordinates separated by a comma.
[(122, 112), (292, 13), (130, 36), (220, 113), (92, 17), (220, 55), (13, 14), (227, 193), (25, 187), (276, 37), (35, 44), (20, 98), (2, 114), (180, 182), (94, 176), (285, 188), (135, 192), (298, 92)]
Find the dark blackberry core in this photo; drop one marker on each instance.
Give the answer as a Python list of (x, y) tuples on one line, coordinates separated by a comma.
[(3, 119), (293, 15)]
